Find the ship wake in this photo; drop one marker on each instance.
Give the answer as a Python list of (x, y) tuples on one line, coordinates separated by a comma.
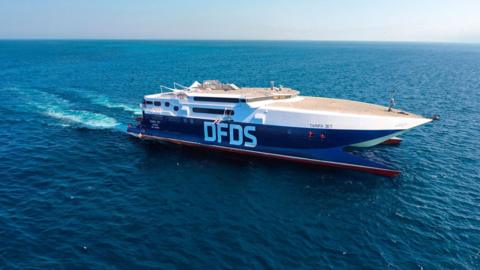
[(64, 111), (87, 119), (106, 102)]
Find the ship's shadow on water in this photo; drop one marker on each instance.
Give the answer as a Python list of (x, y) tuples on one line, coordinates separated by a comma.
[(306, 175)]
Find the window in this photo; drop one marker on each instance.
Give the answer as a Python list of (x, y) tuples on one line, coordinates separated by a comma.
[(148, 102), (175, 108), (219, 99), (167, 104), (213, 111), (157, 103)]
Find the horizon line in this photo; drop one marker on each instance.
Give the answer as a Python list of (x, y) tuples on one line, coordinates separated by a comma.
[(233, 40)]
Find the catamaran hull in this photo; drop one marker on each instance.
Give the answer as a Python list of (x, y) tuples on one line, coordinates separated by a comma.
[(313, 146)]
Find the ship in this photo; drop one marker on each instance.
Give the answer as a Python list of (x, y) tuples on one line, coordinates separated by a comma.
[(272, 122)]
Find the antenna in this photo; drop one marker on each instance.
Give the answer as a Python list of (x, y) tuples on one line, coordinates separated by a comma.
[(392, 101), (272, 84)]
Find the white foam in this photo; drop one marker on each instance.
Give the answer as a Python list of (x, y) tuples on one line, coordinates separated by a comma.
[(84, 118), (104, 101), (59, 108)]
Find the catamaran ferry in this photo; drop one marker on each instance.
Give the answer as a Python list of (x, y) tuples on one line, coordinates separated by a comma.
[(273, 122)]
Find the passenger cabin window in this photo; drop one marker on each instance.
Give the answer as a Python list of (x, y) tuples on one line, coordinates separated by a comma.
[(175, 108), (157, 103), (219, 99), (148, 102), (167, 104), (213, 111)]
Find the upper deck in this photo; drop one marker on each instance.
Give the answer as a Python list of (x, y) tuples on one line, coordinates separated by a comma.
[(340, 106), (278, 106), (248, 93), (217, 97), (218, 90)]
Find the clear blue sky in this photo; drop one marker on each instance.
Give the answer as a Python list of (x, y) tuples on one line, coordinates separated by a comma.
[(386, 20)]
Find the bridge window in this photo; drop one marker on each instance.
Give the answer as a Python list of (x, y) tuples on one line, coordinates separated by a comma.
[(213, 111), (148, 102)]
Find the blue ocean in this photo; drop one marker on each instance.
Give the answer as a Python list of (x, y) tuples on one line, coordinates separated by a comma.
[(76, 192)]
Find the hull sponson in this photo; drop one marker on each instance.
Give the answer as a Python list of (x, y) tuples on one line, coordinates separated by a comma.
[(287, 138)]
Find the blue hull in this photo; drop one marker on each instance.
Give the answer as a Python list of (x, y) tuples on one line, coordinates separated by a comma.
[(314, 146), (267, 135)]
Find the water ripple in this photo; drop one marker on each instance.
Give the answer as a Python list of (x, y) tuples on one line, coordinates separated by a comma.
[(77, 194)]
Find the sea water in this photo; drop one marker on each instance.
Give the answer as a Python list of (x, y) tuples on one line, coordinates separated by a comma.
[(77, 192)]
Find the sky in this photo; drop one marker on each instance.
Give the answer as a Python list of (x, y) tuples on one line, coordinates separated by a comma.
[(362, 20)]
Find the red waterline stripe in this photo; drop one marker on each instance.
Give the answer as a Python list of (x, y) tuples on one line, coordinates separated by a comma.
[(392, 141)]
